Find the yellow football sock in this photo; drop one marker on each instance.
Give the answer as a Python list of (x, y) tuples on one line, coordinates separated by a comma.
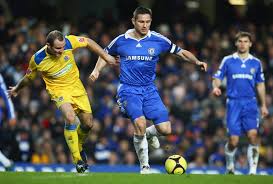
[(71, 137), (82, 135)]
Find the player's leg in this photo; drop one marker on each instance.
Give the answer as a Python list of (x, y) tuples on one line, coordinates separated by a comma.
[(131, 105), (230, 151), (70, 130), (83, 131), (253, 151), (155, 110), (251, 124), (141, 144), (234, 131), (83, 109), (5, 161)]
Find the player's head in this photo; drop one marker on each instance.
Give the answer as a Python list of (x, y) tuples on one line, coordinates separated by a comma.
[(243, 42), (142, 19), (55, 43)]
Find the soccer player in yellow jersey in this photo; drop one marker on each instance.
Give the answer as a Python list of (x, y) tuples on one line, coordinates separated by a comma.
[(56, 63)]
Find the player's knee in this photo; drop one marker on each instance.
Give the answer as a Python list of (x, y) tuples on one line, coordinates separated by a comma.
[(166, 131), (164, 128), (88, 124), (140, 126), (70, 117), (86, 127)]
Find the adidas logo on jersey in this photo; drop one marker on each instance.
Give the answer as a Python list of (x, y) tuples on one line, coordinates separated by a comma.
[(138, 45)]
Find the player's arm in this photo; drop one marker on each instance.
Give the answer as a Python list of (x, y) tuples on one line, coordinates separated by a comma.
[(14, 90), (218, 77), (79, 42), (26, 80), (261, 92), (93, 46), (101, 63), (260, 86), (216, 83), (188, 56)]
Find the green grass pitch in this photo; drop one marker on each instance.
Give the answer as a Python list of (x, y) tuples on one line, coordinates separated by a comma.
[(126, 178)]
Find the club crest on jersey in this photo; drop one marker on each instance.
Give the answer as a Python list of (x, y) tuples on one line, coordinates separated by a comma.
[(66, 58), (151, 51), (81, 39), (252, 71), (61, 99)]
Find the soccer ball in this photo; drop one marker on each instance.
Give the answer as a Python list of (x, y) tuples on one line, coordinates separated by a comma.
[(175, 164)]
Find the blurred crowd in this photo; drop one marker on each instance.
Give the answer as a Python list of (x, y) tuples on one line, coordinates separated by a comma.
[(198, 118)]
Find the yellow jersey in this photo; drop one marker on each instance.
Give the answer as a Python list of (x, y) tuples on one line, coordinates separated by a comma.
[(60, 74)]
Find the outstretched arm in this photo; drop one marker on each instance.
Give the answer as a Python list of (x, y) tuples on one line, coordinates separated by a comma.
[(93, 46), (188, 56), (216, 83), (101, 63), (14, 90), (261, 93)]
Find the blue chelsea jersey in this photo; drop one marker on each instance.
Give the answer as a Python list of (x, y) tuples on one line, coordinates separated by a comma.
[(138, 58), (242, 75)]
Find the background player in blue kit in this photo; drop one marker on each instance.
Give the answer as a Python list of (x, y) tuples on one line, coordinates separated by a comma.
[(138, 97), (243, 72), (9, 109)]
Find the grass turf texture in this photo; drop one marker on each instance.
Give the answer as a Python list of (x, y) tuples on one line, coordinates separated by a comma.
[(126, 178)]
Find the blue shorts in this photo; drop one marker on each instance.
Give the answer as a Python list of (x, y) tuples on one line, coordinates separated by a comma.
[(136, 101), (242, 116)]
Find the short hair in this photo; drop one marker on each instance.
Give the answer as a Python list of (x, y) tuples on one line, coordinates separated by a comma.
[(243, 34), (142, 10), (53, 35)]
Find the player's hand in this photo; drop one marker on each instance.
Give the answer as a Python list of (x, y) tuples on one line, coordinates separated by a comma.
[(12, 122), (264, 111), (12, 92), (202, 65), (94, 75), (113, 61), (216, 91)]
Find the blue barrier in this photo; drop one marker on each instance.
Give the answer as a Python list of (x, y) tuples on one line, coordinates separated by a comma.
[(20, 167)]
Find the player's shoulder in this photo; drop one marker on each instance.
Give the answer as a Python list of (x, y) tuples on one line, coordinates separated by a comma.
[(116, 40), (40, 55), (255, 59), (159, 36), (228, 58), (70, 40)]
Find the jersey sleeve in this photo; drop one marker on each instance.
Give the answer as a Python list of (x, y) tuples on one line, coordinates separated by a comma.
[(167, 45), (32, 69), (221, 72), (74, 42), (112, 47), (260, 74)]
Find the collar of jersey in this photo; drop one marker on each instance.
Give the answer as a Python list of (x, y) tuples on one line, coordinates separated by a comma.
[(127, 35), (235, 55)]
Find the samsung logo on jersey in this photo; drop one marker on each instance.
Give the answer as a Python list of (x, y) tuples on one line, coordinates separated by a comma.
[(140, 58), (242, 76)]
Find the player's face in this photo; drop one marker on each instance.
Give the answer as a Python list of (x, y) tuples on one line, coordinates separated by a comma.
[(57, 48), (243, 44), (142, 23)]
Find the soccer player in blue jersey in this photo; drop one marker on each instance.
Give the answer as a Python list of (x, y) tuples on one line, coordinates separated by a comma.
[(9, 108), (243, 72), (138, 97)]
